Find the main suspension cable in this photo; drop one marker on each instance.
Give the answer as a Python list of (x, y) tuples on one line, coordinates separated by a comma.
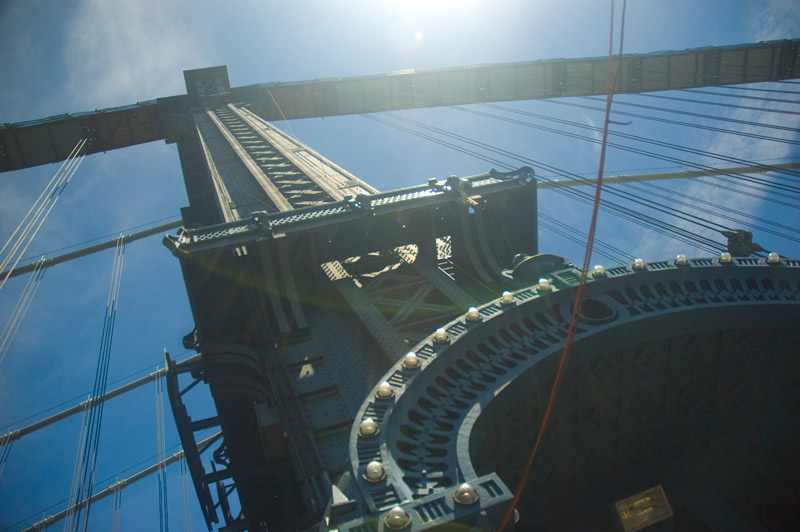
[(778, 186), (719, 104), (742, 96), (700, 115), (680, 123), (738, 177), (654, 224), (656, 142)]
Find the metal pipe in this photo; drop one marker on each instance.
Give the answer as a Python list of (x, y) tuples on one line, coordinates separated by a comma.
[(16, 434), (57, 259), (50, 520), (686, 174)]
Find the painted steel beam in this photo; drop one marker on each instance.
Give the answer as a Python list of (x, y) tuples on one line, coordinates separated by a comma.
[(411, 89), (14, 435), (37, 142), (58, 259)]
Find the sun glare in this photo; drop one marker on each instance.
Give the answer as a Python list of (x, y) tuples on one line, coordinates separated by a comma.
[(418, 36), (427, 5)]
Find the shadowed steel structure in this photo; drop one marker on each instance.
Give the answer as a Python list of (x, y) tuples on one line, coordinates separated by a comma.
[(309, 288)]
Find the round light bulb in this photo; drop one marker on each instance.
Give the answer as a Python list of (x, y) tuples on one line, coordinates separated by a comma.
[(473, 314), (639, 264), (507, 298), (440, 336), (368, 428), (599, 271), (385, 391), (466, 494), (411, 361), (725, 258), (773, 258), (681, 260), (544, 285), (396, 519), (374, 472)]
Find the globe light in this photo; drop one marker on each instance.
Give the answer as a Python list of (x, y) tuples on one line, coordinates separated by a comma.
[(466, 494), (473, 314), (441, 336), (599, 271), (411, 360), (725, 258), (773, 258), (544, 285), (681, 260), (507, 298), (368, 428), (385, 391), (374, 472), (396, 519), (639, 264)]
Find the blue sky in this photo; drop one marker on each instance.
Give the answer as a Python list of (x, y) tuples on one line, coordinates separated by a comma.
[(82, 55)]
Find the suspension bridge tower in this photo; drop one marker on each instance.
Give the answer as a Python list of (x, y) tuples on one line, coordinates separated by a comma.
[(382, 360)]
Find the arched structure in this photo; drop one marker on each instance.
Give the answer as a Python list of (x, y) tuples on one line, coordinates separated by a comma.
[(680, 375)]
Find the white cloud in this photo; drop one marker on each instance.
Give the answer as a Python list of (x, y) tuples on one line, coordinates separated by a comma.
[(775, 19), (121, 52)]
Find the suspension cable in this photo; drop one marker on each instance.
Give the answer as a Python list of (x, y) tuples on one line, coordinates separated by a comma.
[(671, 196), (566, 232), (742, 96), (29, 226), (681, 123), (6, 441), (187, 516), (738, 177), (717, 173), (577, 307), (116, 513), (85, 466), (63, 514), (163, 507), (638, 218), (651, 223), (719, 104), (21, 309), (778, 91), (656, 142), (699, 115)]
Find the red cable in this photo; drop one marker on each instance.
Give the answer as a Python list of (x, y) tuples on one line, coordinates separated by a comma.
[(586, 261)]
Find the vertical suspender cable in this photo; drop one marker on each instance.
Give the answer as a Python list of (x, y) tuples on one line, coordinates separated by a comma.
[(163, 508), (74, 495), (117, 511), (83, 479), (187, 517), (5, 449)]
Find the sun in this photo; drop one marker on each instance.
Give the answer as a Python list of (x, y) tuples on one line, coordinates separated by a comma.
[(418, 36)]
